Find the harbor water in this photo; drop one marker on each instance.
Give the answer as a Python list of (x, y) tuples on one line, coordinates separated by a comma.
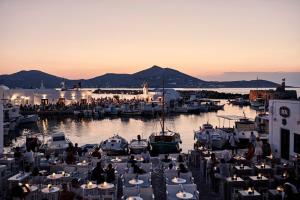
[(93, 131)]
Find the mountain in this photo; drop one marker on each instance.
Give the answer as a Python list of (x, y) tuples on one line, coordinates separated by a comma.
[(154, 76)]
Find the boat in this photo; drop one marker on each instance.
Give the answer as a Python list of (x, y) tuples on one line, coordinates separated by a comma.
[(239, 102), (243, 129), (202, 135), (28, 119), (57, 143), (207, 135), (115, 145), (166, 141), (257, 103), (137, 146)]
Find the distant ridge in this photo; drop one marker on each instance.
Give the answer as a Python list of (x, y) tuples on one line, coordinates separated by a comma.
[(153, 75)]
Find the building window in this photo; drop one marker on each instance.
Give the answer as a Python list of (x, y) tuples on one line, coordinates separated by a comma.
[(296, 143)]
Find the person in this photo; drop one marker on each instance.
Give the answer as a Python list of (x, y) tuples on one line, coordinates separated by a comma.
[(110, 173), (211, 164), (252, 138), (180, 158), (266, 149), (226, 156), (221, 174), (29, 157), (97, 174), (250, 152), (136, 169), (290, 191), (96, 153), (76, 189), (258, 149), (233, 140), (17, 193), (77, 150), (166, 159), (170, 167), (18, 154), (70, 147), (65, 194), (182, 169), (146, 156), (132, 160)]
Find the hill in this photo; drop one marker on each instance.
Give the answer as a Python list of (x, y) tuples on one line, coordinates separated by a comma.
[(153, 75)]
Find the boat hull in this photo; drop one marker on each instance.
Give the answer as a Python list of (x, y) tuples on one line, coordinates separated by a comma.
[(165, 147)]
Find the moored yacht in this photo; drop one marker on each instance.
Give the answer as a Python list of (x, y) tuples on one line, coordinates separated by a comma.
[(57, 143), (137, 146), (243, 129), (115, 145), (165, 141)]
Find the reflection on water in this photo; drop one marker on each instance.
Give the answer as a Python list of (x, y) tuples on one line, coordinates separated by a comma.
[(92, 131)]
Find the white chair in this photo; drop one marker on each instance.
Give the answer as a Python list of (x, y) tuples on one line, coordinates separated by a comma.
[(147, 193), (121, 167), (108, 197), (170, 174), (171, 191), (126, 178), (191, 188), (130, 191), (69, 169), (146, 178), (155, 162), (187, 176)]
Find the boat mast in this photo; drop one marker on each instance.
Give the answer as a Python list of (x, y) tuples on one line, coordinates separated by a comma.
[(163, 107)]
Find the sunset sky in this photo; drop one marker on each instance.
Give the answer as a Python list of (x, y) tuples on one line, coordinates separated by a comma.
[(87, 38)]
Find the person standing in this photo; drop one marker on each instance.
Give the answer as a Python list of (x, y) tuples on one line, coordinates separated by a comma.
[(233, 141), (258, 149)]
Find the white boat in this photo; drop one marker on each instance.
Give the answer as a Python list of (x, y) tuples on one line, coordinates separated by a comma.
[(207, 135), (243, 129), (28, 119), (57, 143), (137, 146), (115, 145), (203, 134)]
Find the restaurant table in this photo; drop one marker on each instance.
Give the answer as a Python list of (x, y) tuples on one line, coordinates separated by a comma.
[(266, 170), (279, 179), (184, 195), (54, 179), (20, 177), (116, 160), (88, 187), (243, 171), (275, 195), (231, 186), (135, 182), (82, 164), (261, 183), (9, 162), (284, 168), (134, 198), (50, 193), (244, 195), (240, 160), (178, 180), (106, 186)]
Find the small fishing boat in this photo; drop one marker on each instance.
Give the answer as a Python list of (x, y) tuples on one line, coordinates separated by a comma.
[(243, 129), (28, 119), (115, 145), (137, 146), (166, 141), (57, 143), (203, 134)]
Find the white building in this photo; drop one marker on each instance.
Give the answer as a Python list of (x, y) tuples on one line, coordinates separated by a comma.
[(44, 96), (284, 126)]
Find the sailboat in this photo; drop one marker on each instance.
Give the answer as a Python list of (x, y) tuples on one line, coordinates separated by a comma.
[(166, 141)]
